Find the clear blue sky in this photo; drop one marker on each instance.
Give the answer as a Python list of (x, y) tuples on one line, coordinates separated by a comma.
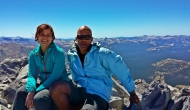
[(106, 18)]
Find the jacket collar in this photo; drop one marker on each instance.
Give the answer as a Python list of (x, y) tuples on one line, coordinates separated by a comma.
[(37, 50)]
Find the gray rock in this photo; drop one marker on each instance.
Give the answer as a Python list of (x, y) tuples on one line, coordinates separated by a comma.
[(22, 74), (114, 92), (3, 108), (140, 86), (9, 92), (3, 102), (3, 86), (185, 92), (182, 103), (156, 96), (116, 103), (9, 69), (121, 90)]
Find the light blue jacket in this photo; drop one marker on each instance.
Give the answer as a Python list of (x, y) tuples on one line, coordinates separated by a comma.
[(99, 65), (48, 69)]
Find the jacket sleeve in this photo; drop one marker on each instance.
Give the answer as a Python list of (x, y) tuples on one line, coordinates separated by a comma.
[(58, 69), (32, 74), (115, 64)]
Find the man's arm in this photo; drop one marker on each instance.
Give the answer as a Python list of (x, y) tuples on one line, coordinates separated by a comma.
[(115, 64)]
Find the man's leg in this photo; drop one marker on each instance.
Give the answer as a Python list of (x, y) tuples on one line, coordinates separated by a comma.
[(42, 100), (20, 98), (95, 102)]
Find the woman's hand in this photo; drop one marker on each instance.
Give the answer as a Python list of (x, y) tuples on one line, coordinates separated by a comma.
[(29, 100)]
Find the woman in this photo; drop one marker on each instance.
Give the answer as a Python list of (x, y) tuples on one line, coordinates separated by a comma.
[(46, 62)]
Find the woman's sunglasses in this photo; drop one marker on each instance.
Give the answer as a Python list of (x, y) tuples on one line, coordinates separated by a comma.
[(84, 37)]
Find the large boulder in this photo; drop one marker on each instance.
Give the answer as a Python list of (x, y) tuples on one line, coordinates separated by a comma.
[(180, 102), (9, 92), (156, 96), (9, 69), (116, 102), (3, 108), (120, 97)]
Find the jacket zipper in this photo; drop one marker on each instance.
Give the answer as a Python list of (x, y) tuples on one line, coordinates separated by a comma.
[(45, 65), (44, 62)]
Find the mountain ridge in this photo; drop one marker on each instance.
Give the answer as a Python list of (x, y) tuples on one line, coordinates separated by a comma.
[(139, 53)]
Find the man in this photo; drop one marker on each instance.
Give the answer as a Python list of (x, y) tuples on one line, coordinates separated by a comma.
[(91, 67)]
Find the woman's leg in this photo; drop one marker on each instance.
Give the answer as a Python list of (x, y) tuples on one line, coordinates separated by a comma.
[(20, 98), (42, 100), (60, 91)]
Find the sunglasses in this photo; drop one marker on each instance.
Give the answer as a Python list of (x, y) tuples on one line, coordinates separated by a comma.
[(84, 37)]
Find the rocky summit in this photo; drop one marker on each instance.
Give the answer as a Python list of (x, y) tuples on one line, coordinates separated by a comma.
[(160, 66), (157, 95)]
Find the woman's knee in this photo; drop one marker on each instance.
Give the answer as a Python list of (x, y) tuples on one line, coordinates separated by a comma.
[(42, 97), (21, 92), (60, 87)]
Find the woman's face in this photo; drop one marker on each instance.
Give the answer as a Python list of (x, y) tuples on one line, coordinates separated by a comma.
[(45, 37)]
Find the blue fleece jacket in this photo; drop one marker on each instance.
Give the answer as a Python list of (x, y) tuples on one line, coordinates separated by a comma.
[(99, 65)]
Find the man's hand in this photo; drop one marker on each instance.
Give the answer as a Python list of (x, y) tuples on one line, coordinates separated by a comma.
[(134, 98), (29, 100)]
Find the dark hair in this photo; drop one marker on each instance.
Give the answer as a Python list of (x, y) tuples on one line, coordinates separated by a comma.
[(40, 29)]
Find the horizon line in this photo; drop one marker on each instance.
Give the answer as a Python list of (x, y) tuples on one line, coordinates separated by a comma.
[(102, 37)]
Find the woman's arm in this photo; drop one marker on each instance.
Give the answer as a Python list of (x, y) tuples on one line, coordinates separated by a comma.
[(32, 73)]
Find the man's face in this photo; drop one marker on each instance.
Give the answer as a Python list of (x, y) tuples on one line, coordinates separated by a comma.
[(84, 39)]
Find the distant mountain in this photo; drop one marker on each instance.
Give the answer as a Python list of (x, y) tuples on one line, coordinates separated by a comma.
[(175, 71), (17, 39), (17, 47), (139, 53)]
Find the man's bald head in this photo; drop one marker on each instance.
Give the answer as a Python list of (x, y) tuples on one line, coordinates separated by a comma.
[(84, 28)]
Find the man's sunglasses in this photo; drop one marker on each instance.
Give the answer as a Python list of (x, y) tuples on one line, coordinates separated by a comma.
[(84, 37)]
